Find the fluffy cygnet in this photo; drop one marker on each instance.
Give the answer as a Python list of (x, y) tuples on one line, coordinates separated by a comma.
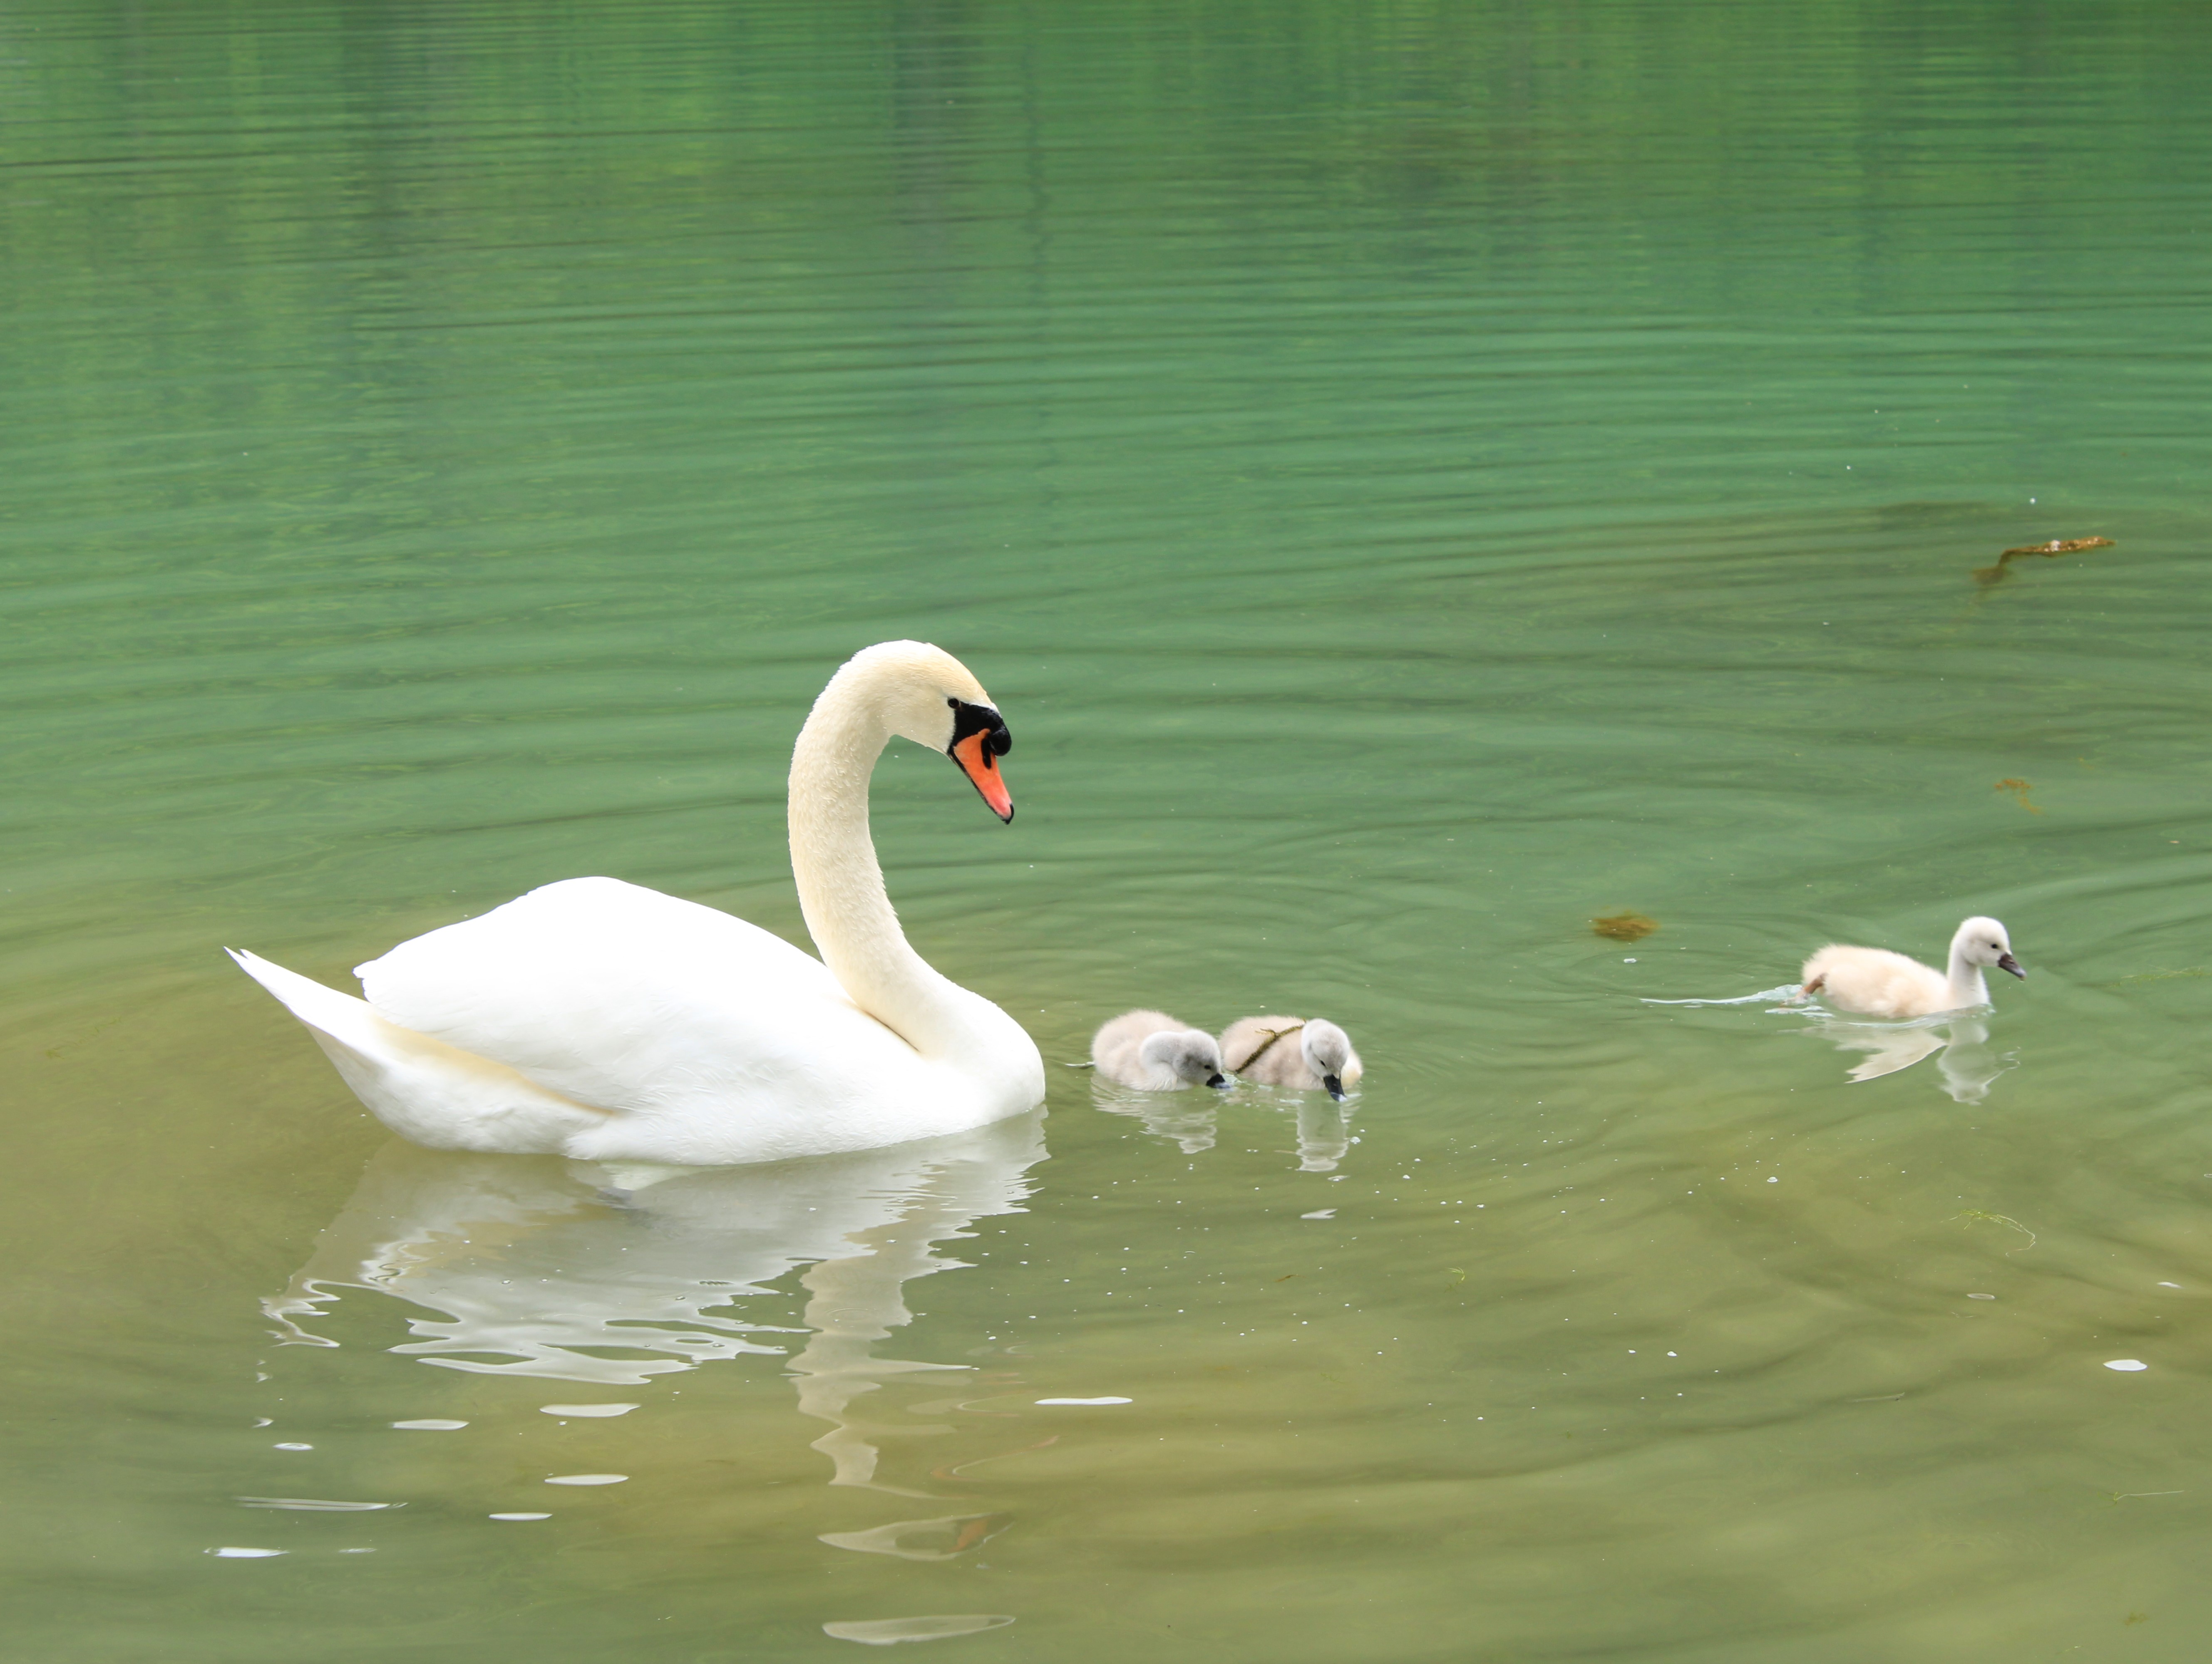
[(1153, 1052), (1313, 1056), (1875, 982)]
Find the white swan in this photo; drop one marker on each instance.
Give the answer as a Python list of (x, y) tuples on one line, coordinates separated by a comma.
[(1153, 1052), (1255, 1048), (1875, 982), (604, 1021)]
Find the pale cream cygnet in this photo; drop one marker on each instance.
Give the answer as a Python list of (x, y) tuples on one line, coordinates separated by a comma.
[(1314, 1056), (1153, 1052), (1875, 982)]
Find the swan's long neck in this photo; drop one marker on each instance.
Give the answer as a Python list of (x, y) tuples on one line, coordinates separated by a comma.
[(840, 888), (1968, 986)]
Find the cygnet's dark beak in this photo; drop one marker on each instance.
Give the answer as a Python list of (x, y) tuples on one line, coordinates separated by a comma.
[(1218, 1080), (2007, 963), (1334, 1087)]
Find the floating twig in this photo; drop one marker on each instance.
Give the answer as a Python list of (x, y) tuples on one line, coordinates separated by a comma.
[(2062, 546), (1987, 575), (1273, 1035)]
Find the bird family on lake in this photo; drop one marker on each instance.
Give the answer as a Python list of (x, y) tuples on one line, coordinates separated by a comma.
[(602, 1021)]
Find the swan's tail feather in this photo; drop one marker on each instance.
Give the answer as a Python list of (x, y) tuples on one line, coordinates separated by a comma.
[(422, 1088), (342, 1017)]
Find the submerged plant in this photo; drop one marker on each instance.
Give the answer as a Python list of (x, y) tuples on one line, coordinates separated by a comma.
[(1974, 1214)]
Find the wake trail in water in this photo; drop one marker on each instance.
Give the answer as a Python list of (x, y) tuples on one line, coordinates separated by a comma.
[(1789, 992)]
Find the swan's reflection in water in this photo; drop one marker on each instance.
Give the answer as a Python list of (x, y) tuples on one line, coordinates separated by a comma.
[(1960, 1044), (1968, 1067), (1324, 1133), (1190, 1119), (577, 1271)]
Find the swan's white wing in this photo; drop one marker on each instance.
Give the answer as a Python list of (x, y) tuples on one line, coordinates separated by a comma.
[(627, 999), (416, 1084)]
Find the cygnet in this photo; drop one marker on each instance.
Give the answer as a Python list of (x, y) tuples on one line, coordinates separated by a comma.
[(1875, 982), (1153, 1052), (1290, 1051)]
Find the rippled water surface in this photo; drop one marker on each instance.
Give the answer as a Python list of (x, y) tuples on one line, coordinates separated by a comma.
[(1417, 479)]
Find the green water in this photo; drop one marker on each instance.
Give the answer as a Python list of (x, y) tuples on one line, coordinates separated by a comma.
[(1415, 479)]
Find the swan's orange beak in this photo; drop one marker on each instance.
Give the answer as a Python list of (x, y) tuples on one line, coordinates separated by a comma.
[(973, 756)]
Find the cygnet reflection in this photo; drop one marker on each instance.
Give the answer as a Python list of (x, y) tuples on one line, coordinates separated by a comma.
[(1185, 1119), (1324, 1135), (1191, 1122), (563, 1271), (1960, 1044)]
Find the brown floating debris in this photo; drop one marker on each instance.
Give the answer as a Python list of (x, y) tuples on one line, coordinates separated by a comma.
[(1625, 926), (972, 1534), (2020, 788), (1986, 575)]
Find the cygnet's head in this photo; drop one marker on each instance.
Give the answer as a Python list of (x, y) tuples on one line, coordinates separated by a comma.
[(1328, 1049), (1984, 942), (1187, 1053)]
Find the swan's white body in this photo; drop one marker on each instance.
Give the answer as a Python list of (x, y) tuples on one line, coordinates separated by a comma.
[(1153, 1052), (1291, 1052), (601, 1020), (1875, 982)]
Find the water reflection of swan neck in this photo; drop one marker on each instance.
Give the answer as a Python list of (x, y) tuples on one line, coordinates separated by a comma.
[(1968, 1066), (858, 1299), (1324, 1135)]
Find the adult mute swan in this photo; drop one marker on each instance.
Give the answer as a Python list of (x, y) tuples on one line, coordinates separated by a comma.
[(1875, 982), (604, 1021)]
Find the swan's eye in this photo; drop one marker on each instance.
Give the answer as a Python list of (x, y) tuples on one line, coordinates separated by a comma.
[(969, 719)]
